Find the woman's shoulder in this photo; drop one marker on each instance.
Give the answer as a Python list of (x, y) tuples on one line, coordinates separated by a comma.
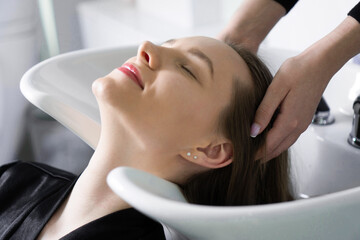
[(29, 192), (26, 181), (32, 168)]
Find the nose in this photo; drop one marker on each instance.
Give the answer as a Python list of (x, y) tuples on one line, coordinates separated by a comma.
[(149, 54)]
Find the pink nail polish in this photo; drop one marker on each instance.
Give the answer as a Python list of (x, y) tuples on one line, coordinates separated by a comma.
[(255, 128)]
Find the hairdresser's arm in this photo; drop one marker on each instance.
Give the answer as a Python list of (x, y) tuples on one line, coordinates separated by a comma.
[(252, 21), (298, 85)]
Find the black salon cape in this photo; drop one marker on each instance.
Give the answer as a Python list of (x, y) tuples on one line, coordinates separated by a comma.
[(31, 192)]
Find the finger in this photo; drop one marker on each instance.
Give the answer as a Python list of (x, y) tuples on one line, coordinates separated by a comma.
[(284, 125), (286, 144), (276, 135), (274, 143), (271, 101), (271, 146)]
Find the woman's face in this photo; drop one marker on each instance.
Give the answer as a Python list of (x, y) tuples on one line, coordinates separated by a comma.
[(171, 95)]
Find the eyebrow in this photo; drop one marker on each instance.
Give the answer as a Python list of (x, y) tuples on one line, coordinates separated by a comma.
[(170, 42), (197, 53)]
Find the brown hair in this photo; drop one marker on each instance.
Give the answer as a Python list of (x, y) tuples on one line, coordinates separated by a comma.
[(245, 181)]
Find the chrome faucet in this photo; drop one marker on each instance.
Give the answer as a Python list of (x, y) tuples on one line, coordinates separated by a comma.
[(322, 115), (354, 136)]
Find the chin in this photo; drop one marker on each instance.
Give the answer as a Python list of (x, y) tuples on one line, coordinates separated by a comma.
[(102, 87)]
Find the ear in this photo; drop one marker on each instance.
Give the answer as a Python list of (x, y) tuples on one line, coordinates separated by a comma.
[(212, 156)]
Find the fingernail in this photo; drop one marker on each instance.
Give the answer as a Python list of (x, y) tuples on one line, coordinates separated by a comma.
[(255, 128)]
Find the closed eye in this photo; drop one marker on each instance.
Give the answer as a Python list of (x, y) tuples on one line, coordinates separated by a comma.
[(188, 71)]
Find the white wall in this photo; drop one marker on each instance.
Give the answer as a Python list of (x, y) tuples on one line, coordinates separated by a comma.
[(19, 50), (61, 26), (67, 24), (112, 23)]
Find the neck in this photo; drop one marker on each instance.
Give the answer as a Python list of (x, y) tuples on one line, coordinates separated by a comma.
[(91, 198), (91, 194), (92, 188)]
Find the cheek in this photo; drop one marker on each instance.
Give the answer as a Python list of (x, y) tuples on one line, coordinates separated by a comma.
[(181, 112), (179, 98)]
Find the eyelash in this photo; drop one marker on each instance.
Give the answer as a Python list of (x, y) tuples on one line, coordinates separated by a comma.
[(188, 71)]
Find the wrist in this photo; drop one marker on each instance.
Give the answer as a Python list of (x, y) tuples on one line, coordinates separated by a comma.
[(331, 52), (252, 22), (241, 35)]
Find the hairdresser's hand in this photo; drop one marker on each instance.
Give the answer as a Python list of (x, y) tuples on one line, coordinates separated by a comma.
[(298, 85), (252, 21), (296, 90)]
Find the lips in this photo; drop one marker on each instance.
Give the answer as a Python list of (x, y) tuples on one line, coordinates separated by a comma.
[(132, 72)]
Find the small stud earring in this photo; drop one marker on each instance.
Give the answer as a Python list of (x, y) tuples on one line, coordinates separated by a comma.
[(195, 157), (189, 154)]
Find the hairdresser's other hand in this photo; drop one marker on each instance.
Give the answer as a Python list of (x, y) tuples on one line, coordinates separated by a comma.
[(251, 22), (298, 85)]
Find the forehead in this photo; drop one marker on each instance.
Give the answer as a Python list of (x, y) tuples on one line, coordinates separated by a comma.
[(212, 47), (227, 62)]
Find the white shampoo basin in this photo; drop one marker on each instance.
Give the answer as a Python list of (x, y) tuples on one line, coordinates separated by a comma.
[(323, 163)]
